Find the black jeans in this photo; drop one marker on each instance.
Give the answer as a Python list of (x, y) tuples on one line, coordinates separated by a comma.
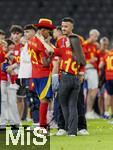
[(81, 110), (82, 124), (68, 95), (61, 121)]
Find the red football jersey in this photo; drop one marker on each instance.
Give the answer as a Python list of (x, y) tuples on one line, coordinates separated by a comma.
[(3, 75), (90, 51), (67, 64), (108, 60), (16, 52), (65, 52), (37, 50), (2, 56), (101, 54), (62, 41)]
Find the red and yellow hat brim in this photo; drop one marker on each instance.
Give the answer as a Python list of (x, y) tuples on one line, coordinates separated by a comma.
[(46, 23)]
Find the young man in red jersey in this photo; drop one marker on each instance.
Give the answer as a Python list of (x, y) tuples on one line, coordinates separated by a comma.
[(107, 62), (9, 101), (69, 67), (3, 79), (25, 64), (104, 48), (41, 72), (2, 37), (69, 83), (90, 48), (16, 34)]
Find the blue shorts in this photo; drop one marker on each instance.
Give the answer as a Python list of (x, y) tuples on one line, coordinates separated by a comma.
[(4, 67), (109, 86), (43, 87)]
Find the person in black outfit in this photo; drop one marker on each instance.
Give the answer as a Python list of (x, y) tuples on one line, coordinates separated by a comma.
[(82, 126)]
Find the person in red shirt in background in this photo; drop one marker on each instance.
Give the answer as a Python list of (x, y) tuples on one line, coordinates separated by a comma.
[(2, 58), (25, 64), (63, 42), (2, 37), (104, 46), (12, 61), (16, 34), (90, 47), (3, 79), (57, 34), (41, 72), (107, 62), (2, 54), (9, 111)]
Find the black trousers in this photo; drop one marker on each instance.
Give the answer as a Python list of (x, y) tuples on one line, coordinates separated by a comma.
[(82, 124), (81, 110), (68, 95), (60, 118)]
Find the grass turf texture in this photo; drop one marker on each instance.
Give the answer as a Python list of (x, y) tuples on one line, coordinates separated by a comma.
[(100, 138)]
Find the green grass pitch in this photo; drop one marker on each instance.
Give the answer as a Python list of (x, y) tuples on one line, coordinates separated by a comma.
[(100, 138)]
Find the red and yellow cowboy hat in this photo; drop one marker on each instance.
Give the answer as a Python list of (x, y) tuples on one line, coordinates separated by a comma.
[(46, 23)]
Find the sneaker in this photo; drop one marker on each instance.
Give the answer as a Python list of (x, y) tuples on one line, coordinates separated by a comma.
[(61, 132), (92, 115), (83, 132), (106, 115), (29, 119)]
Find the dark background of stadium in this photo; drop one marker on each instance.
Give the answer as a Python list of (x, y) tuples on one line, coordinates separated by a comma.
[(87, 14)]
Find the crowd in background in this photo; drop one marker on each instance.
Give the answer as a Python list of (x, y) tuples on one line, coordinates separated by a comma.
[(20, 102)]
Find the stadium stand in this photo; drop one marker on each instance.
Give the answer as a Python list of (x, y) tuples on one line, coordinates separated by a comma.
[(87, 14)]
